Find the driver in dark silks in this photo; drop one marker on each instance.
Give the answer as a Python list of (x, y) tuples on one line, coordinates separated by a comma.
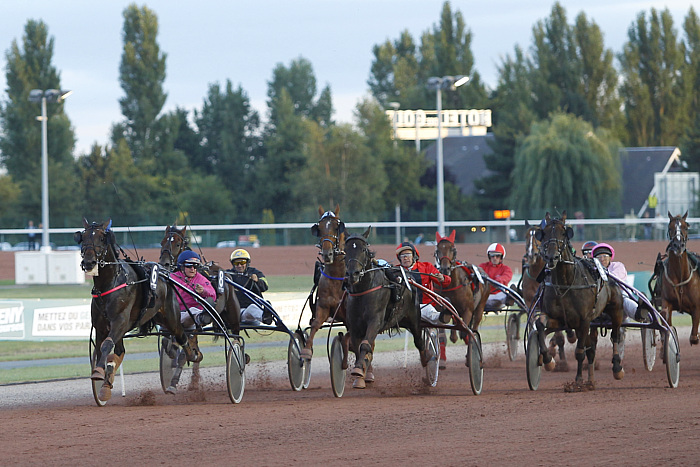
[(252, 279)]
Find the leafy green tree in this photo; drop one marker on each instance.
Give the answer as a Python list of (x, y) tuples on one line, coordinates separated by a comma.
[(652, 91), (299, 82), (29, 67), (141, 74), (228, 127), (565, 164), (690, 142)]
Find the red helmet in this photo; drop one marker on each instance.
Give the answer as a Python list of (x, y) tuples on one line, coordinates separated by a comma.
[(496, 249), (407, 246)]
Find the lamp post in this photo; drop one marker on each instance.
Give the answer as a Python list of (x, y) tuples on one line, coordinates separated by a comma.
[(438, 84), (397, 207), (53, 96)]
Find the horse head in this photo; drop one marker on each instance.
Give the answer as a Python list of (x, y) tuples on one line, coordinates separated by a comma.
[(174, 242), (532, 244), (358, 257), (445, 252), (555, 245), (96, 244), (331, 233), (677, 233)]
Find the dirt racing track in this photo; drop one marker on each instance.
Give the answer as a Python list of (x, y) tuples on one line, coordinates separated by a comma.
[(397, 419)]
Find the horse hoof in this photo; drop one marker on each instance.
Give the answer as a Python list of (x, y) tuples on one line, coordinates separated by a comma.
[(247, 359), (171, 390), (369, 377), (105, 393), (619, 375), (306, 354), (694, 340), (359, 383), (358, 372), (571, 337), (454, 337), (550, 365), (98, 374)]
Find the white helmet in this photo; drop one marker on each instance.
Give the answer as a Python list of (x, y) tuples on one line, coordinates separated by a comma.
[(496, 249)]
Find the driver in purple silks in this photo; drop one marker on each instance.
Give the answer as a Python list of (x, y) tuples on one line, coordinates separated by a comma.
[(605, 254)]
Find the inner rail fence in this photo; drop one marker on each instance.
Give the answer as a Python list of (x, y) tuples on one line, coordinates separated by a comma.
[(253, 235)]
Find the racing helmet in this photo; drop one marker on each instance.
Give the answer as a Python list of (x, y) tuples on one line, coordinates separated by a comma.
[(603, 248), (407, 246), (496, 249), (588, 246), (240, 254), (188, 256)]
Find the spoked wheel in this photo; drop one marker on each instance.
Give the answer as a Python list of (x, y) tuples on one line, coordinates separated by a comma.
[(336, 361), (512, 325), (296, 366), (673, 358), (303, 336), (476, 363), (96, 385), (235, 372), (167, 365), (649, 348), (432, 349), (534, 370)]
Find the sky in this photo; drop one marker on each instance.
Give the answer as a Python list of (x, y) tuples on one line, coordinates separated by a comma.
[(214, 40)]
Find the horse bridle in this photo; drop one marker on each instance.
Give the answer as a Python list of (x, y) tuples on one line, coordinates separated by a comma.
[(679, 239), (561, 244), (453, 260), (333, 239), (365, 249), (172, 232), (100, 250)]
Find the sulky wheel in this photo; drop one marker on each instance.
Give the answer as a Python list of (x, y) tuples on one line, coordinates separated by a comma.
[(534, 370), (167, 365), (296, 366), (512, 325), (673, 358), (432, 349), (649, 348), (235, 372), (336, 362), (476, 363), (303, 336)]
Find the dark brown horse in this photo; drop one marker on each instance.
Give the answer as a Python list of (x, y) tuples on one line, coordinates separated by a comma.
[(573, 296), (680, 282), (330, 231), (533, 264), (174, 242), (374, 305), (120, 302), (465, 292)]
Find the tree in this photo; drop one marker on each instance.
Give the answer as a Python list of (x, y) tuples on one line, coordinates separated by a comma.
[(652, 91), (29, 67), (299, 82), (141, 74), (690, 142), (565, 164)]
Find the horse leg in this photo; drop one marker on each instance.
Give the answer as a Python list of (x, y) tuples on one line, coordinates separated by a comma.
[(666, 313), (98, 373), (454, 337), (547, 359), (369, 374), (181, 357), (364, 358), (308, 350), (694, 340), (562, 364), (346, 350), (590, 354), (616, 337)]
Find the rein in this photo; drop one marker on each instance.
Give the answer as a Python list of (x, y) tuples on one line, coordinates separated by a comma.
[(359, 294), (323, 273)]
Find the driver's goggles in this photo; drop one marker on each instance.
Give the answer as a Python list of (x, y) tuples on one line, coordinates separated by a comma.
[(240, 262)]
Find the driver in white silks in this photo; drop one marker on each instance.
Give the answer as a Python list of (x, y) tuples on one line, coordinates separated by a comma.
[(605, 254)]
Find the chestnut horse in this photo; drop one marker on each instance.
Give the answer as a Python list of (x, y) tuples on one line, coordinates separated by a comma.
[(465, 292), (572, 295), (374, 305), (680, 282), (330, 231), (120, 302)]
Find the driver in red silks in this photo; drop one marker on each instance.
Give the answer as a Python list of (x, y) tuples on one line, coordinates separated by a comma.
[(499, 272)]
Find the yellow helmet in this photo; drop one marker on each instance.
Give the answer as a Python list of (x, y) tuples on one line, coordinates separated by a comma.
[(240, 254)]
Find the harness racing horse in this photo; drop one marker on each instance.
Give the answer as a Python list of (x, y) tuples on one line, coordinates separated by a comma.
[(466, 293), (375, 304), (572, 295), (120, 302), (330, 231), (533, 265), (680, 283)]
